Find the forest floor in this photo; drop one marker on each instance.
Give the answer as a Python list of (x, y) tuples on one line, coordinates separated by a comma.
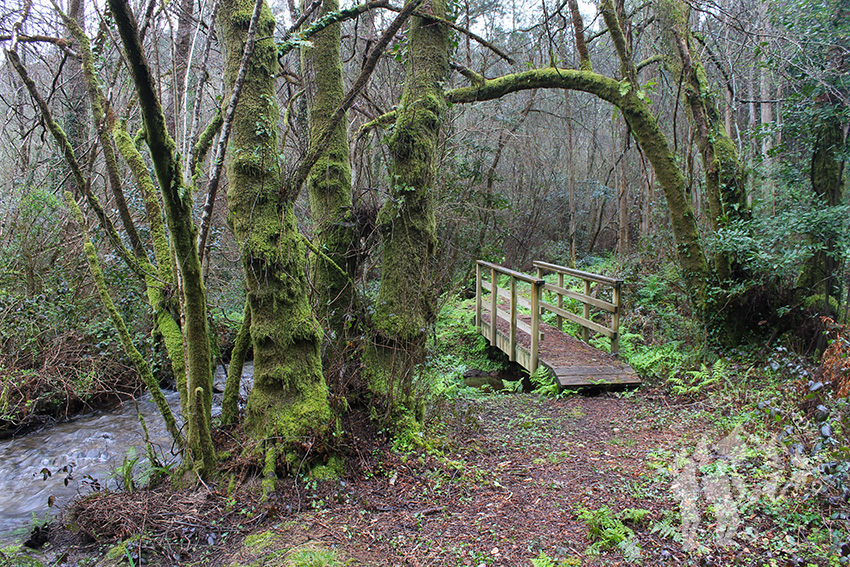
[(517, 480)]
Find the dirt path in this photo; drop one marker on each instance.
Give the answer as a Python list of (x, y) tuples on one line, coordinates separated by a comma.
[(509, 487)]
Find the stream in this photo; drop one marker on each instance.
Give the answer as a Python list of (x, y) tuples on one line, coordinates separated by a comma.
[(92, 447)]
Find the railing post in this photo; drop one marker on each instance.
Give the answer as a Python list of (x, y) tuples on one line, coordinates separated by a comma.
[(512, 345), (478, 297), (540, 277), (560, 319), (585, 332), (536, 289), (615, 318), (494, 298)]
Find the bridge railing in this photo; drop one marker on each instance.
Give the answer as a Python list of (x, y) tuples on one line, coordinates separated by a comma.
[(487, 276), (515, 300), (588, 301)]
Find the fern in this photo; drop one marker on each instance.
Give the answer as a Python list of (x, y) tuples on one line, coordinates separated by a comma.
[(659, 361), (543, 560), (543, 384), (630, 550), (634, 516), (668, 527), (512, 386), (607, 530), (693, 382)]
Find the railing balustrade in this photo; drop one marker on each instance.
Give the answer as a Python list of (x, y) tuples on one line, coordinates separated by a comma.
[(535, 302)]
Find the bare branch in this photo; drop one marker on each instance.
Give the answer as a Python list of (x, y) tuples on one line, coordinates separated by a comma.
[(59, 42), (303, 18), (462, 30), (80, 180), (296, 39)]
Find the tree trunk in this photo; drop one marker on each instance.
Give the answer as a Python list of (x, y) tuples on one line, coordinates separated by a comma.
[(289, 401), (724, 175), (571, 179), (406, 221), (766, 107), (178, 213), (329, 183)]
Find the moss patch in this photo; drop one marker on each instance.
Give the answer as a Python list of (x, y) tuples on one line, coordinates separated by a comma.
[(16, 556), (286, 545), (331, 470)]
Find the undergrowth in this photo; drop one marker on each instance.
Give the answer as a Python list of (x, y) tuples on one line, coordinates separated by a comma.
[(609, 530)]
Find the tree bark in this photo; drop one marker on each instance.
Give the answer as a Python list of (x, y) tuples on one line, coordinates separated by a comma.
[(230, 398), (178, 213), (289, 401), (406, 222), (725, 184), (329, 183)]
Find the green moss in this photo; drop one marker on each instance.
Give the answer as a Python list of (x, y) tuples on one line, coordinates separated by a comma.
[(230, 399), (269, 469), (139, 362), (312, 556), (329, 183), (333, 469), (289, 399), (178, 203), (817, 303), (17, 556), (118, 554), (256, 543)]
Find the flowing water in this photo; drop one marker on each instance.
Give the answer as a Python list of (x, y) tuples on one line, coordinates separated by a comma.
[(76, 454)]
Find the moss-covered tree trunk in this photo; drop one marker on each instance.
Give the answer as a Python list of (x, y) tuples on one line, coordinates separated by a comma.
[(405, 305), (177, 199), (159, 281), (289, 400), (725, 181), (329, 182), (161, 284)]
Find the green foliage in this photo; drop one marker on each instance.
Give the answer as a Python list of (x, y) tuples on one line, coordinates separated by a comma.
[(126, 470), (135, 472), (654, 361), (771, 246), (458, 347), (694, 382), (669, 527), (313, 557), (609, 530), (543, 560), (18, 557), (543, 383)]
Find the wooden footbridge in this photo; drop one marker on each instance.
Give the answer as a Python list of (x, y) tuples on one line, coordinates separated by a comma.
[(520, 302)]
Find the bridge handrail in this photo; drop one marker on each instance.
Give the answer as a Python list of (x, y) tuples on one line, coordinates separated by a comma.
[(512, 273), (511, 292), (537, 305), (613, 332), (577, 273)]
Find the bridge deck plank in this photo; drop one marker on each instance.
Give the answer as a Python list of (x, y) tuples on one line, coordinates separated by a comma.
[(572, 362)]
